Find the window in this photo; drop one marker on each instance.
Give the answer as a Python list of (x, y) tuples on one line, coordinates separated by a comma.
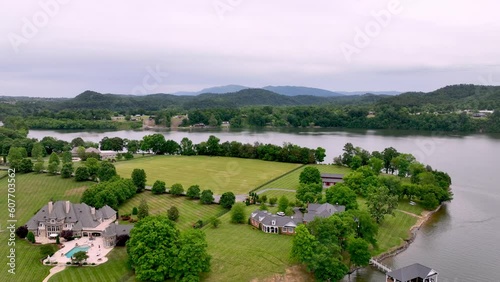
[(284, 229), (273, 222)]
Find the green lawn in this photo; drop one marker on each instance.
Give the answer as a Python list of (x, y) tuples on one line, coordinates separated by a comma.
[(291, 180), (190, 211), (32, 192), (216, 173), (242, 253)]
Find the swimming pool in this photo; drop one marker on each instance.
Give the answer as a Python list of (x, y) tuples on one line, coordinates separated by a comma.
[(76, 250)]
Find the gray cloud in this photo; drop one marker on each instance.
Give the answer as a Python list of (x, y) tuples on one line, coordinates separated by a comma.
[(108, 46)]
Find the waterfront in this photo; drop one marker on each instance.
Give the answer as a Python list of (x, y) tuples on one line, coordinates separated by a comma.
[(459, 241)]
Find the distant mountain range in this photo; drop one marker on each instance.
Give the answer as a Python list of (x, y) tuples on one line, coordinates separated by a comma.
[(284, 90)]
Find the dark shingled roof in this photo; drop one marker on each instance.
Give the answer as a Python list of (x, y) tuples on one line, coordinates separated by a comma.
[(411, 272), (332, 175), (324, 210), (118, 229), (267, 218)]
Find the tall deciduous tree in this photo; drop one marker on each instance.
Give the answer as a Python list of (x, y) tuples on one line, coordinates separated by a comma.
[(310, 175), (193, 192), (67, 170), (238, 213), (283, 203), (139, 179), (192, 258), (359, 251), (159, 187), (143, 210), (176, 189), (227, 200), (380, 203), (342, 195), (106, 171), (303, 245), (207, 197)]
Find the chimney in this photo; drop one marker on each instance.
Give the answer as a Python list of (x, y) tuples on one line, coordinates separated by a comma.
[(92, 210), (51, 206), (67, 206)]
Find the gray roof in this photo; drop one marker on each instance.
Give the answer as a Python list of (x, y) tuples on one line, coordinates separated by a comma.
[(321, 210), (80, 214), (267, 218), (118, 229), (332, 175), (411, 272)]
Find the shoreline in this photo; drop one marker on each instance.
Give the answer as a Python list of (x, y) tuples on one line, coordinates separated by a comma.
[(413, 231)]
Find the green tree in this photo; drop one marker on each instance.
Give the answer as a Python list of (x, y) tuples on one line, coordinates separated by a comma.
[(238, 213), (82, 174), (310, 175), (388, 154), (143, 210), (154, 143), (139, 179), (135, 211), (92, 165), (80, 256), (30, 237), (364, 225), (67, 170), (25, 166), (66, 157), (207, 197), (173, 213), (309, 193), (283, 203), (106, 171), (39, 165), (380, 203), (53, 167), (376, 165), (153, 248), (263, 199), (193, 192), (54, 158), (159, 187), (213, 146), (81, 153), (273, 201), (215, 221), (38, 150), (340, 194), (320, 154), (192, 258), (227, 200), (359, 251), (327, 267), (14, 157), (176, 189), (303, 245), (187, 148), (263, 206)]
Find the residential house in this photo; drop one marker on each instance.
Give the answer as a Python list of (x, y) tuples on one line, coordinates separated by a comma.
[(105, 154), (413, 273), (330, 179), (281, 224), (82, 219), (321, 210)]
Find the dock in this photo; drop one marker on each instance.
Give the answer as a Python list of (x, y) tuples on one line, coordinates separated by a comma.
[(383, 268)]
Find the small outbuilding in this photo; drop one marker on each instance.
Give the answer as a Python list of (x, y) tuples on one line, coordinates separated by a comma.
[(413, 273), (330, 179)]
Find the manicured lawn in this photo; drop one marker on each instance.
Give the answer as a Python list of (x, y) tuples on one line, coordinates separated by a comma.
[(216, 173), (115, 269), (32, 192), (190, 211), (242, 253), (291, 180)]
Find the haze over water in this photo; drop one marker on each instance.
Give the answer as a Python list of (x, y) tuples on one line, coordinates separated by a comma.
[(460, 241)]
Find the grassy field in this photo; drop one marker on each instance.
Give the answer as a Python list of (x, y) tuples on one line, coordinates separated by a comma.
[(32, 192), (216, 173), (190, 211), (290, 181), (242, 253)]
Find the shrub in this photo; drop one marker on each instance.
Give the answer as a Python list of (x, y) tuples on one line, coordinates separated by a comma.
[(198, 224), (273, 200), (177, 189), (134, 211), (238, 213), (85, 263), (22, 231), (173, 213), (215, 221), (263, 199), (82, 174), (67, 234), (122, 240), (68, 263), (128, 156), (227, 200), (31, 237), (158, 187), (207, 197), (193, 192)]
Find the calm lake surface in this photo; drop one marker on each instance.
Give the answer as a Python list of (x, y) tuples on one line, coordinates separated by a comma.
[(461, 241)]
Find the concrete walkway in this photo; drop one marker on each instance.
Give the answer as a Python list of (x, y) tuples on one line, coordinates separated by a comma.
[(275, 189), (53, 271)]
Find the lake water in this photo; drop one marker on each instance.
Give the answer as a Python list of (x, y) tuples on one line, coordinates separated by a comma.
[(460, 241)]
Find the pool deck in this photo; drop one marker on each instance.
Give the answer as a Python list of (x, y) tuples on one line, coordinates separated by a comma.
[(97, 253)]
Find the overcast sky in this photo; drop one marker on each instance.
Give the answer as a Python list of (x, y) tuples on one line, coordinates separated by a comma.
[(66, 47)]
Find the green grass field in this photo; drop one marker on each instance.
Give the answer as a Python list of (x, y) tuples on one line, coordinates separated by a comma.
[(242, 253), (190, 211), (216, 173), (32, 192)]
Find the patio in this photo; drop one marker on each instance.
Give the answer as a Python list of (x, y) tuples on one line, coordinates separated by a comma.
[(96, 252)]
